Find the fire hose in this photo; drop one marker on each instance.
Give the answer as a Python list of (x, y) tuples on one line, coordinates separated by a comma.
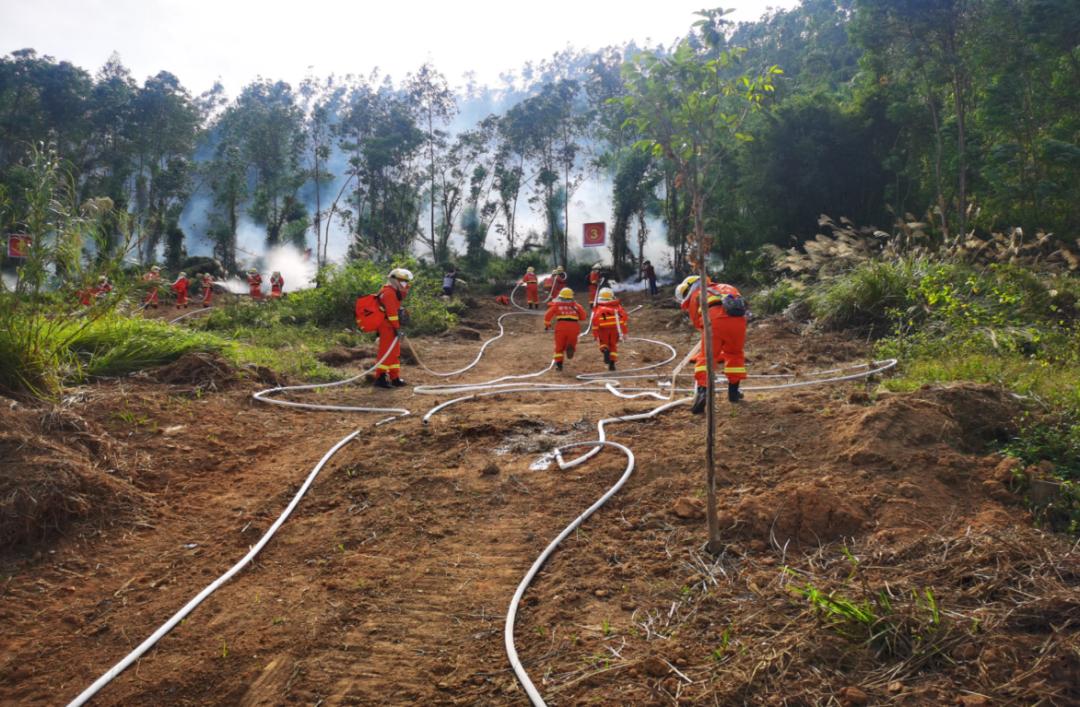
[(589, 383)]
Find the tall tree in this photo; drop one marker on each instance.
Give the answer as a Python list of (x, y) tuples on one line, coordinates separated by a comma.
[(689, 110), (435, 106)]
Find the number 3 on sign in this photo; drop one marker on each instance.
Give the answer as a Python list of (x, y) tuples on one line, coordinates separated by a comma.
[(594, 235)]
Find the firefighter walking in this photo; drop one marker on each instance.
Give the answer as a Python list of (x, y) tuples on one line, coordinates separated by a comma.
[(532, 288), (565, 315), (609, 325), (727, 317), (390, 297)]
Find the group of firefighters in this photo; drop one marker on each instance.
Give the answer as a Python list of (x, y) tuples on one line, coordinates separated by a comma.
[(151, 282), (609, 322)]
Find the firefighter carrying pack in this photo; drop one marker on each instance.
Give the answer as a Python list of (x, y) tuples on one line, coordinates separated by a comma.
[(369, 313), (734, 305)]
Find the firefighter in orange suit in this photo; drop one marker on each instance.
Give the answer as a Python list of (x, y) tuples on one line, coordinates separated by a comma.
[(566, 314), (609, 325), (152, 278), (594, 283), (207, 281), (254, 280), (180, 287), (727, 316), (558, 282), (388, 371), (277, 284), (532, 288)]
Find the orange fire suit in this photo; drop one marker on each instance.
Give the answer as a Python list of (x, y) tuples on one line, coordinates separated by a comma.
[(180, 287), (609, 324), (207, 290), (390, 302), (151, 279), (594, 284), (532, 288), (728, 334), (558, 281), (277, 284), (255, 285), (566, 314)]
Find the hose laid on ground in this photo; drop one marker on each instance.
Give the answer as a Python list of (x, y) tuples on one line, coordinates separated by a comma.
[(595, 447), (192, 313), (213, 586), (263, 395)]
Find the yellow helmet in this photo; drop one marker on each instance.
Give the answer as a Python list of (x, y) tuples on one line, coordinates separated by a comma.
[(685, 288), (559, 269), (566, 293), (155, 268), (530, 269), (400, 274), (606, 294)]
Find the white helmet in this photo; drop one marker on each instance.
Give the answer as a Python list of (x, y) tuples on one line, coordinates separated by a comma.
[(400, 274), (682, 292), (597, 266), (182, 274), (606, 294)]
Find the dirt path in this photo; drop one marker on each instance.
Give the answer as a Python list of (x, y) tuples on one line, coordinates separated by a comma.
[(390, 582)]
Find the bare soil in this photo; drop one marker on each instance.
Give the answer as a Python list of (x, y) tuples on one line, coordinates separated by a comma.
[(390, 583)]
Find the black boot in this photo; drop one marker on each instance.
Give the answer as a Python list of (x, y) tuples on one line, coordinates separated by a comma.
[(611, 365), (700, 398), (382, 382), (607, 356), (558, 365), (398, 383), (733, 394), (569, 352)]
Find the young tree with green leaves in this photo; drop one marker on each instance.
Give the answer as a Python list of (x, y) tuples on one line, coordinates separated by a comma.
[(690, 107)]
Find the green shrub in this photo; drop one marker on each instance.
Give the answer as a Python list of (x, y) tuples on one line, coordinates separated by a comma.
[(333, 303), (117, 345), (777, 298), (869, 297)]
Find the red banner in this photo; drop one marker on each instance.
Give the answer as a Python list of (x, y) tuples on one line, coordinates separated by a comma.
[(594, 235), (18, 246)]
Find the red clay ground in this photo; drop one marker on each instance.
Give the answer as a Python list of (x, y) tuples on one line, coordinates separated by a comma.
[(390, 582)]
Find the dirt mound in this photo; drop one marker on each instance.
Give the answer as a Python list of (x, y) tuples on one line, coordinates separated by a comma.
[(804, 513), (47, 482), (208, 371), (341, 355), (966, 416)]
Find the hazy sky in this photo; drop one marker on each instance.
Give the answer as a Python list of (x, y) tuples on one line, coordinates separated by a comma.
[(201, 41)]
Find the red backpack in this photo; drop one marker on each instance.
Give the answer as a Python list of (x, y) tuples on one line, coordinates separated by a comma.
[(369, 313)]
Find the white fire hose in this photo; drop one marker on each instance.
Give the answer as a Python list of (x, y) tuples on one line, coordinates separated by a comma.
[(589, 383)]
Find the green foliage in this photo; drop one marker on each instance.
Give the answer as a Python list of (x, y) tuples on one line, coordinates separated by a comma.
[(775, 299), (892, 626), (333, 303), (868, 297)]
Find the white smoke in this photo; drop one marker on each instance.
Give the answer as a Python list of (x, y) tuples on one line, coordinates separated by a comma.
[(297, 271)]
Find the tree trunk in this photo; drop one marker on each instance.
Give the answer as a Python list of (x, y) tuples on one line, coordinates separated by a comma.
[(318, 215), (715, 545)]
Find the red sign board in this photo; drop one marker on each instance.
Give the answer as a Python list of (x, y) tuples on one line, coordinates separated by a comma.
[(595, 234), (18, 246)]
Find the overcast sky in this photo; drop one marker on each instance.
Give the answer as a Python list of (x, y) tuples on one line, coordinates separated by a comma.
[(202, 41)]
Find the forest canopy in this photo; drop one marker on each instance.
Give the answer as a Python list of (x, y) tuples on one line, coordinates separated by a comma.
[(961, 115)]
